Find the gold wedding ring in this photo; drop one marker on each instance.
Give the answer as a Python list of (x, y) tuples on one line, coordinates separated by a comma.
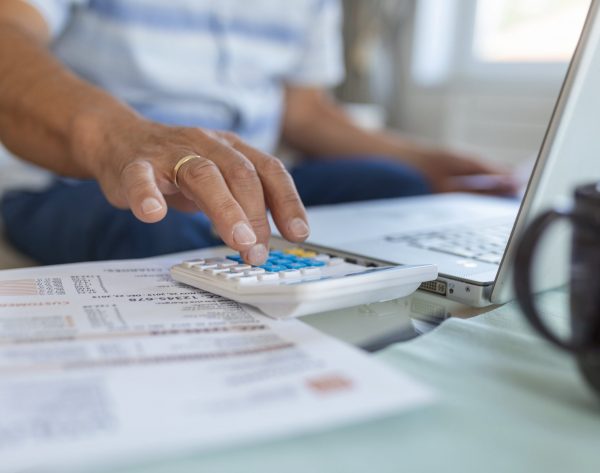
[(180, 163)]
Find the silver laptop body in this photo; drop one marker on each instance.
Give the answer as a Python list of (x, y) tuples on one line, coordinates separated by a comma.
[(472, 238)]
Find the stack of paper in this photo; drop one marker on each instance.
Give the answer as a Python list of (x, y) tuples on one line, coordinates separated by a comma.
[(109, 362)]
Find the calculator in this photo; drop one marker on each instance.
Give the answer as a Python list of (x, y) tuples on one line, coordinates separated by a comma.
[(300, 280)]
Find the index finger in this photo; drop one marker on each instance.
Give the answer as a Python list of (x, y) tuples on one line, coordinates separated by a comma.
[(202, 182), (280, 192), (245, 186)]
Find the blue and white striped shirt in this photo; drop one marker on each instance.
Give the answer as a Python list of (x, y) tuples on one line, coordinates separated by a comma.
[(217, 64)]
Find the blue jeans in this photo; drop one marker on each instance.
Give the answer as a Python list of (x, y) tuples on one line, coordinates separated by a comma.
[(71, 222)]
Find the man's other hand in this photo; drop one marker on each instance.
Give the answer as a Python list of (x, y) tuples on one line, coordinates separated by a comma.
[(452, 172)]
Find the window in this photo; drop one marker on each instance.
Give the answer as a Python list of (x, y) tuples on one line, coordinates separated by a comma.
[(495, 40), (527, 31)]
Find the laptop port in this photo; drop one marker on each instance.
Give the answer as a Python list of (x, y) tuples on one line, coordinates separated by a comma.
[(436, 287)]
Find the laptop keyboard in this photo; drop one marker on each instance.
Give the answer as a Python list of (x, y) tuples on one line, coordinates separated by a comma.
[(482, 243)]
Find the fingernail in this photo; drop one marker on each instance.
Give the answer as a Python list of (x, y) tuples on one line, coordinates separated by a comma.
[(151, 205), (257, 255), (299, 228), (243, 234)]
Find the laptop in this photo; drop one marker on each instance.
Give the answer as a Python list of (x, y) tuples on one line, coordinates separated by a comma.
[(472, 238)]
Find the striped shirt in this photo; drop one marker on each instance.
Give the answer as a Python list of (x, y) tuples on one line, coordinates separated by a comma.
[(217, 64)]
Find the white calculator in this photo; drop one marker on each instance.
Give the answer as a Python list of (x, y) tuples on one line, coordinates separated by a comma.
[(301, 280)]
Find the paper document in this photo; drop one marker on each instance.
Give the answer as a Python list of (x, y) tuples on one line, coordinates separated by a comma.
[(115, 362)]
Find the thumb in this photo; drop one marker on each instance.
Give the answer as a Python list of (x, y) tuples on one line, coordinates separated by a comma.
[(145, 200)]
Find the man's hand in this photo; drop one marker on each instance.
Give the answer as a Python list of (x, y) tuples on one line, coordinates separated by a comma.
[(53, 118), (231, 182), (452, 172)]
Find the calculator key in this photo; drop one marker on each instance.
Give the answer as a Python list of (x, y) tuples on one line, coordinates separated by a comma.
[(317, 264), (290, 274), (311, 272), (276, 269), (296, 266), (203, 267), (237, 258), (241, 268), (247, 280), (336, 261), (230, 275), (301, 253), (268, 277), (216, 260), (276, 253), (191, 263), (215, 271), (280, 262), (254, 272), (228, 264), (306, 261), (322, 257)]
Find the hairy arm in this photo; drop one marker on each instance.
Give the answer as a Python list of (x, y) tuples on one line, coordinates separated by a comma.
[(53, 118), (315, 125), (41, 102)]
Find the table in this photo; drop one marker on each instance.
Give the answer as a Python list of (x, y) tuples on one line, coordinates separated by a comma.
[(508, 402)]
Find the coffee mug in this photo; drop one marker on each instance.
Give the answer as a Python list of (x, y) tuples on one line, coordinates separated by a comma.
[(584, 342)]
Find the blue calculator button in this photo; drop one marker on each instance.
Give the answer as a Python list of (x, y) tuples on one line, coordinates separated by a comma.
[(276, 269), (280, 261), (316, 264), (296, 266)]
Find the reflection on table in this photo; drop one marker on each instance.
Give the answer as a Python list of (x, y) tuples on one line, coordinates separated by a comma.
[(375, 326)]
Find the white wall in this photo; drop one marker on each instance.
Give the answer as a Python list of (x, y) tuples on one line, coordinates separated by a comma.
[(499, 123)]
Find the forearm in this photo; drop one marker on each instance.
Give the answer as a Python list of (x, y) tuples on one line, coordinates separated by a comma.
[(328, 131), (316, 126), (43, 106)]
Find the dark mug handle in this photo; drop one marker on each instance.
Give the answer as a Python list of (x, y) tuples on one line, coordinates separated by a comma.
[(523, 281)]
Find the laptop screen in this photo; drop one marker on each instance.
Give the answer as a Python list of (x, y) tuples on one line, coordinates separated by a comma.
[(568, 158)]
